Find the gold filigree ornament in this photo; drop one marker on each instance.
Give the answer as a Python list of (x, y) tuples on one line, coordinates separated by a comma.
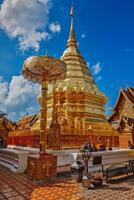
[(47, 169), (31, 167)]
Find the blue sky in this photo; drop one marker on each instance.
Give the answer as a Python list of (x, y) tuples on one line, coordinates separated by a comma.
[(104, 31)]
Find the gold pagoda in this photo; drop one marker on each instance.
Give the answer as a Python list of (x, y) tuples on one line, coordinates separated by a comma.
[(77, 102)]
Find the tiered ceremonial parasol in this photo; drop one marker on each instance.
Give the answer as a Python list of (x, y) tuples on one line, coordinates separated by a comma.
[(44, 70)]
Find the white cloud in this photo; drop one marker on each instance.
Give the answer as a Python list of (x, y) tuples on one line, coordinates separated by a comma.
[(26, 20), (83, 36), (55, 27), (3, 90), (18, 97), (99, 78), (96, 68)]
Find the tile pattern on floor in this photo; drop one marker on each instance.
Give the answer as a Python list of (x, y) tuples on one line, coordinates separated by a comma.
[(18, 187)]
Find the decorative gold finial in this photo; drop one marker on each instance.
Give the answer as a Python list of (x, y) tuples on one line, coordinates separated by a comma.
[(121, 87), (127, 86), (72, 10), (72, 40)]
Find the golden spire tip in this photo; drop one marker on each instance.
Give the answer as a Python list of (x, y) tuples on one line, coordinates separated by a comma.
[(72, 13), (72, 40)]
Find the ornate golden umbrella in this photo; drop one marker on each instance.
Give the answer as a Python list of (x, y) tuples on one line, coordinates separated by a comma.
[(43, 69), (40, 68)]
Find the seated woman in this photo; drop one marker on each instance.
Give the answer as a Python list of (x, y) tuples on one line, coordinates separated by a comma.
[(102, 147)]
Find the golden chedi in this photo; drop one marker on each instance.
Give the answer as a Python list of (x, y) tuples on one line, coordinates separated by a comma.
[(78, 104)]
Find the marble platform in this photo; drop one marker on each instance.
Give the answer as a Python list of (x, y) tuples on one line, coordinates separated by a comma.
[(15, 160), (67, 158), (116, 156)]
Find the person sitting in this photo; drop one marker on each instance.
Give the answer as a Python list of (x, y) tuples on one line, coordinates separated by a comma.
[(110, 148), (3, 143), (130, 145), (85, 145), (102, 147), (94, 147), (89, 147)]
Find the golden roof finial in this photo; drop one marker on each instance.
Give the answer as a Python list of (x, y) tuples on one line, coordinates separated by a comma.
[(72, 40), (121, 87), (127, 86), (72, 10)]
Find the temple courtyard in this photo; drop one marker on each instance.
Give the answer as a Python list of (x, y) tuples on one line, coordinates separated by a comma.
[(75, 140), (19, 187)]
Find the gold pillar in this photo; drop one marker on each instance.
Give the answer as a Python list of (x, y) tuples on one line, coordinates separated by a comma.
[(42, 166), (43, 115)]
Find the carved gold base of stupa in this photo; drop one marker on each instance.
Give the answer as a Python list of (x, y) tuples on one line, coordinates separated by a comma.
[(41, 167)]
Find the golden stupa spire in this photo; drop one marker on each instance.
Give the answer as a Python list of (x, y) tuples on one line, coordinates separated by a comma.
[(72, 41)]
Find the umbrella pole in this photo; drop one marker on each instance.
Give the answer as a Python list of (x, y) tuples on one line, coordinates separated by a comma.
[(43, 115)]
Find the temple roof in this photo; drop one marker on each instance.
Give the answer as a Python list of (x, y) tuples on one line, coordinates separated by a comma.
[(129, 120), (125, 122), (131, 91), (130, 96), (5, 123), (26, 122), (127, 95), (2, 114), (2, 122)]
